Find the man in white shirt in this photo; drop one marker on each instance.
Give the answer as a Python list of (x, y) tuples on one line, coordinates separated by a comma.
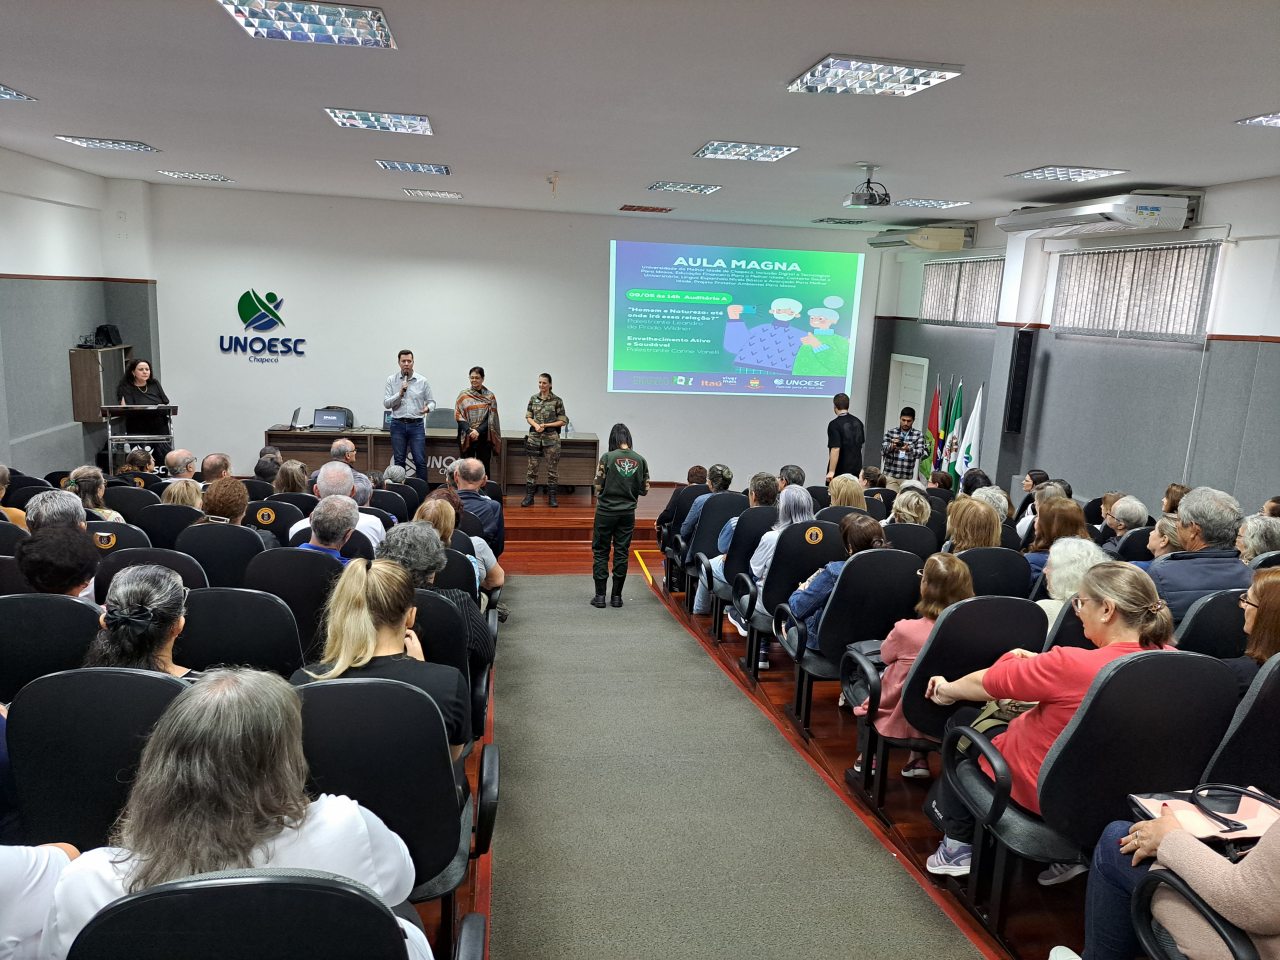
[(409, 399), (336, 479)]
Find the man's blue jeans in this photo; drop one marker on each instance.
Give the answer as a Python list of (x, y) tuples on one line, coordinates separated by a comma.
[(410, 436)]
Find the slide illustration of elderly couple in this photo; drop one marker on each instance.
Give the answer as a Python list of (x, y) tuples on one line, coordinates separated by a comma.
[(778, 347)]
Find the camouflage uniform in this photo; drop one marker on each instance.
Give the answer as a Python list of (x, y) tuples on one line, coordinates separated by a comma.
[(545, 445)]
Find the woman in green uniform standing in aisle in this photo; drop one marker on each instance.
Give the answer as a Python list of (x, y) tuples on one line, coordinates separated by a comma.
[(622, 478)]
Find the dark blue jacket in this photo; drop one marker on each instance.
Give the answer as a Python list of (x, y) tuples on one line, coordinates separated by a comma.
[(1183, 578), (489, 513)]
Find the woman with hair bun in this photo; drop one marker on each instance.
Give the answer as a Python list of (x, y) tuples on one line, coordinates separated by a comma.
[(145, 612), (89, 484)]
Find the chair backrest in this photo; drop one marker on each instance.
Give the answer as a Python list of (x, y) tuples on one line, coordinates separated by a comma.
[(1214, 625), (752, 524), (943, 494), (913, 537), (441, 629), (462, 543), (57, 479), (937, 522), (395, 761), (470, 524), (186, 566), (877, 509), (1009, 538), (802, 549), (305, 502), (716, 511), (1067, 630), (41, 633), (109, 536), (387, 520), (162, 522), (223, 549), (412, 501), (1093, 511), (420, 486), (1264, 561), (1149, 723), (245, 913), (74, 742), (459, 574), (302, 579), (18, 482), (19, 498), (493, 490), (1249, 754), (273, 515), (836, 514), (884, 494), (969, 635), (129, 501), (258, 489), (1133, 545), (821, 496), (11, 579), (234, 626), (10, 536), (1024, 505), (357, 545), (1039, 589), (997, 571), (876, 589), (680, 509)]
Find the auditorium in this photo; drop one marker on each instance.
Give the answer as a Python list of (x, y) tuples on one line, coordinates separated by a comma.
[(922, 449)]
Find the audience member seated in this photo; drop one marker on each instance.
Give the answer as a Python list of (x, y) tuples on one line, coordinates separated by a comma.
[(1070, 558), (441, 515), (183, 492), (483, 552), (1173, 495), (89, 484), (331, 524), (222, 785), (54, 508), (138, 460), (471, 479), (1122, 614), (226, 501), (1108, 500), (394, 474), (27, 879), (973, 479), (1163, 539), (291, 478), (13, 513), (940, 479), (368, 634), (795, 505), (59, 560), (762, 491), (1208, 521), (1127, 513), (417, 547), (909, 506), (214, 467), (971, 523), (1043, 491), (1271, 508), (266, 469), (341, 450), (944, 580), (143, 616), (871, 477), (697, 474), (996, 499), (859, 532), (789, 474), (1261, 605), (336, 479), (272, 452), (719, 478), (1257, 535), (845, 491), (1057, 518), (1029, 482), (180, 465)]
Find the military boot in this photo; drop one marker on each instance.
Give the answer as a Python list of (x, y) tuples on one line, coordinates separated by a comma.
[(528, 495), (551, 496)]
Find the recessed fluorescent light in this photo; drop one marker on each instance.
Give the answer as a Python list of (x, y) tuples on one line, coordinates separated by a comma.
[(638, 208), (407, 166), (702, 188), (387, 122), (1071, 174), (94, 143), (845, 73), (937, 204), (312, 22), (8, 93), (191, 175), (1262, 120), (727, 150), (839, 221), (432, 194)]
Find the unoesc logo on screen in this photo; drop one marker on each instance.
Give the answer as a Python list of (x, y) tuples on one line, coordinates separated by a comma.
[(262, 314)]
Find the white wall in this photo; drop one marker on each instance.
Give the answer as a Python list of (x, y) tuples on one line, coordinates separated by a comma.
[(516, 292), (49, 218)]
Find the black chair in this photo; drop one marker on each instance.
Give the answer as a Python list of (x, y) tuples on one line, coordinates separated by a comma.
[(1239, 945), (937, 522), (876, 589), (129, 501), (41, 633), (752, 524), (913, 537), (143, 481), (258, 489), (396, 762), (1249, 754), (274, 515), (673, 582), (18, 499), (187, 567), (493, 490), (74, 742), (92, 516), (11, 579), (223, 550), (18, 481), (162, 522), (1093, 512), (305, 502), (1089, 772), (1214, 625), (109, 536), (1265, 561), (410, 497), (943, 494), (997, 572), (57, 479), (442, 630), (884, 494), (1067, 631), (877, 509), (1133, 545), (10, 536), (228, 625), (1101, 534), (462, 543), (836, 514), (458, 574), (420, 486), (470, 524), (302, 579), (1039, 589), (1009, 538), (821, 496), (387, 520), (357, 545), (1024, 506), (717, 509)]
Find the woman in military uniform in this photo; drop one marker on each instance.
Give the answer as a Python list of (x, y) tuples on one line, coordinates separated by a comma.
[(545, 416)]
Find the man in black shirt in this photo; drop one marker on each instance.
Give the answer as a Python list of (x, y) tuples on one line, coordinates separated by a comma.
[(844, 440)]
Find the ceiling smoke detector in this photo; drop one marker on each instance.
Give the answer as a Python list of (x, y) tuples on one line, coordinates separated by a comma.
[(869, 193)]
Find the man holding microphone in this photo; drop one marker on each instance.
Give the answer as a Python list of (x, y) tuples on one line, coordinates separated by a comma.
[(408, 396)]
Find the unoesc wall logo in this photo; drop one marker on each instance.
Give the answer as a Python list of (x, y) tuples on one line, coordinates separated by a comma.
[(261, 314)]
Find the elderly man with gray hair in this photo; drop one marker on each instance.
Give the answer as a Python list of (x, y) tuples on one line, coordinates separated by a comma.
[(332, 523), (336, 479), (1127, 513), (1208, 521)]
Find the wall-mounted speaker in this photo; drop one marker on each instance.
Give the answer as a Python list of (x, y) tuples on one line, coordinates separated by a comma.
[(1015, 404)]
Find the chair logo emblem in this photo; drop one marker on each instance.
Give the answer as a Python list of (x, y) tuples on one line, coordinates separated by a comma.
[(63, 482), (104, 541), (266, 516), (813, 535), (139, 482), (258, 312)]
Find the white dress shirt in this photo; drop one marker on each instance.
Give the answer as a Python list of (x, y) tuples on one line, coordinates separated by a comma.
[(370, 526), (27, 879), (415, 400)]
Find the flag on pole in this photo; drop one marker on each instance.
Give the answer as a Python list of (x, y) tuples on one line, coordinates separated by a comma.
[(953, 433), (931, 433), (940, 452), (972, 440)]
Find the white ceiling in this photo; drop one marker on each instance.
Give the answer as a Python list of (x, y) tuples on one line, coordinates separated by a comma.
[(615, 94)]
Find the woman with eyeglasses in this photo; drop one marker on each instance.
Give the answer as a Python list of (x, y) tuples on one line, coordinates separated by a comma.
[(1261, 605), (144, 614), (1122, 614)]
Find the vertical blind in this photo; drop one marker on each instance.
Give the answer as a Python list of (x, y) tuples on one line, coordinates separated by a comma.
[(962, 292), (1144, 293)]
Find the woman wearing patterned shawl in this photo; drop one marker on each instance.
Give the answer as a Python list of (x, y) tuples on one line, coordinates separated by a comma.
[(476, 411)]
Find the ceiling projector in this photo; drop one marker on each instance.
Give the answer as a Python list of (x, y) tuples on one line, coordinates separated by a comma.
[(869, 193)]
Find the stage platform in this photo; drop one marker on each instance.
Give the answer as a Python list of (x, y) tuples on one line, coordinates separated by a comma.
[(542, 540)]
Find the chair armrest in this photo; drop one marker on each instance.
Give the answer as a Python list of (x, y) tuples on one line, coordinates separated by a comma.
[(677, 548), (494, 594), (471, 934), (703, 563), (745, 587), (951, 758), (852, 665), (487, 802), (1236, 940), (783, 622)]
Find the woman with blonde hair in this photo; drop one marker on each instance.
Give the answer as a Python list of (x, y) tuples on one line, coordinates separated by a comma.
[(369, 633), (1163, 540), (89, 484), (846, 491), (909, 506), (971, 523), (291, 478), (185, 493)]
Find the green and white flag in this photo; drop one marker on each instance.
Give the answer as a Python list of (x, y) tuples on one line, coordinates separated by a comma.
[(972, 440), (954, 429)]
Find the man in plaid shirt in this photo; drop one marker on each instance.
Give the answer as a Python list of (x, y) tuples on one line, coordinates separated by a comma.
[(902, 447)]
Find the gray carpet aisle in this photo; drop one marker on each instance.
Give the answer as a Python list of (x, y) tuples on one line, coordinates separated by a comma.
[(649, 810)]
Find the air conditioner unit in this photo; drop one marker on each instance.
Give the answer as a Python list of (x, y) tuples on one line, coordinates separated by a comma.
[(945, 239), (1128, 212)]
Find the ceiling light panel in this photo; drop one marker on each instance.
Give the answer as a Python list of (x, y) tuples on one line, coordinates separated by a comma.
[(386, 122), (727, 150), (192, 175), (408, 166), (95, 143), (639, 208), (8, 93), (934, 204), (432, 194), (839, 221), (1262, 120), (702, 188), (1068, 174), (312, 22), (845, 73)]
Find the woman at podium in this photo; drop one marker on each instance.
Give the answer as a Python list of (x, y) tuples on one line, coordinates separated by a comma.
[(137, 388)]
